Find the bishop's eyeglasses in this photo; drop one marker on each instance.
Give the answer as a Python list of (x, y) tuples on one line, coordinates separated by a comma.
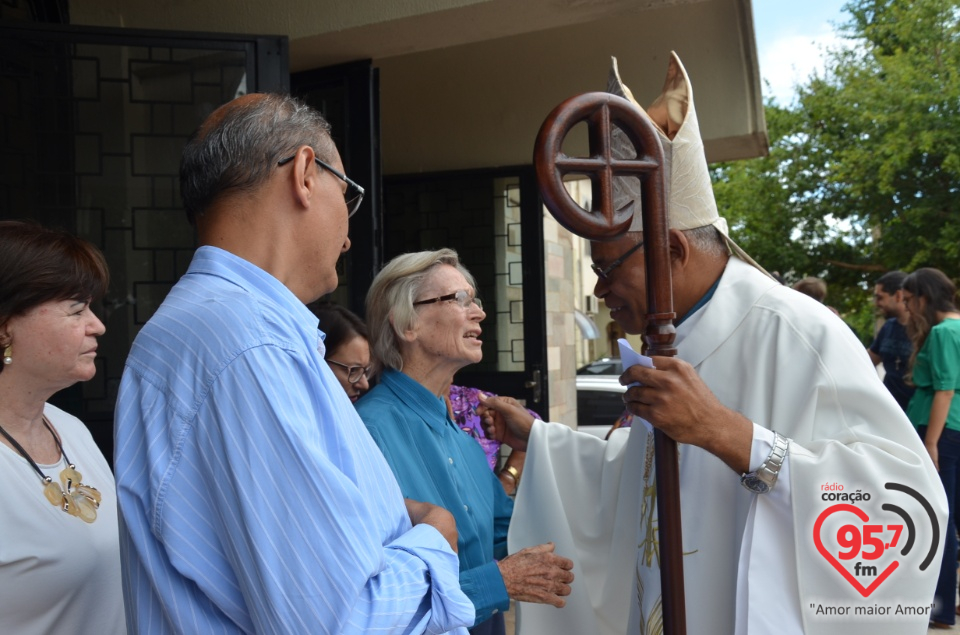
[(604, 273)]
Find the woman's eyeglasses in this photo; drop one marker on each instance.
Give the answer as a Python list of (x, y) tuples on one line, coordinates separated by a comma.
[(354, 373), (461, 297)]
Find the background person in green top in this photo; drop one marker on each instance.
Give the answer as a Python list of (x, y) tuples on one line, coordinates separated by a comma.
[(935, 327)]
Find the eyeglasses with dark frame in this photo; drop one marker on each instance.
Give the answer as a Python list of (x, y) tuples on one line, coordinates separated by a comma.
[(354, 373), (354, 194), (461, 297), (604, 273)]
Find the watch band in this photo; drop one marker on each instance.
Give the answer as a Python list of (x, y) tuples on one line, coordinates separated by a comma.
[(764, 478)]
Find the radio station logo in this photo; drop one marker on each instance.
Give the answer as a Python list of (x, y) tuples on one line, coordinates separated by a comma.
[(865, 550)]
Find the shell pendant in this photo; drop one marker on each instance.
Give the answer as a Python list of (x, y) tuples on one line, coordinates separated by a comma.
[(73, 497)]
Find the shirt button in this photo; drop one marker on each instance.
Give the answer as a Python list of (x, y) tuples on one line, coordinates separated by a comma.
[(495, 611), (466, 508), (450, 459)]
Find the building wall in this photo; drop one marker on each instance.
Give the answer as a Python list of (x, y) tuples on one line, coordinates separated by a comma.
[(466, 83), (481, 104), (295, 18), (570, 283), (561, 331)]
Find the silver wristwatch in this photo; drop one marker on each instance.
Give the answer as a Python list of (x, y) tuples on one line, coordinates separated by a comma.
[(764, 478)]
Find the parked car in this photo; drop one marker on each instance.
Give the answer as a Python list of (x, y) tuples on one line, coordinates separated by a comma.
[(603, 366), (599, 401)]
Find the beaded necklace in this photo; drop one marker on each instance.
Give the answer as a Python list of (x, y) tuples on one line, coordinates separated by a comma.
[(73, 497)]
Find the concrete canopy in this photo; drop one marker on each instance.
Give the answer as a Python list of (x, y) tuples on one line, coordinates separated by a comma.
[(466, 83)]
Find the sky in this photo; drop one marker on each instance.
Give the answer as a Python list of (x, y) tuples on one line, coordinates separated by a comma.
[(790, 37)]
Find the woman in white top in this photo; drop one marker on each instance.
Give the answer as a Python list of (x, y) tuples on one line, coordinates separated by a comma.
[(59, 555)]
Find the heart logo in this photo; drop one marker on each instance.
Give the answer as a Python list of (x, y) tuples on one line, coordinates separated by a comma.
[(862, 515)]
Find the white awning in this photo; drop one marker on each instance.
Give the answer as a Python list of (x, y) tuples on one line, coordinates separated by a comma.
[(587, 326)]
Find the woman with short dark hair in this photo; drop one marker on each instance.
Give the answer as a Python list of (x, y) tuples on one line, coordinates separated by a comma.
[(346, 347), (59, 558)]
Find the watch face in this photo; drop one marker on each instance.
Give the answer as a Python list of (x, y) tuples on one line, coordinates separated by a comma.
[(753, 483)]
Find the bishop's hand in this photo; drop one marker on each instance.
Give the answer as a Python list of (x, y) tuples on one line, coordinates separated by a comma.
[(505, 420), (674, 399)]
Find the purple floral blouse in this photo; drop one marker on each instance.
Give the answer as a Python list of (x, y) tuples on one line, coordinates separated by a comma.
[(464, 402)]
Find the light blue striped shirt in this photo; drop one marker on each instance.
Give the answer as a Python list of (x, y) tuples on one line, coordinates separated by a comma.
[(253, 500)]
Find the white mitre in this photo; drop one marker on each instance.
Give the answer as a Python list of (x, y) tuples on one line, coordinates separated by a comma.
[(689, 192)]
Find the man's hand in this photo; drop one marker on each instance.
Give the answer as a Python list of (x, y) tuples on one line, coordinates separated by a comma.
[(505, 420), (536, 574), (437, 517), (673, 398)]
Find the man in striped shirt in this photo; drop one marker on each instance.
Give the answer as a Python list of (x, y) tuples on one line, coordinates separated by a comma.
[(253, 499)]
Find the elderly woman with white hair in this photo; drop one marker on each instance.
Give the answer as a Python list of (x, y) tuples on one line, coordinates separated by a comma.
[(424, 321)]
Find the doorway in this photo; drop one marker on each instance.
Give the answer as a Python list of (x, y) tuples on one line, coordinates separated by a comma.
[(493, 219), (92, 124), (348, 97)]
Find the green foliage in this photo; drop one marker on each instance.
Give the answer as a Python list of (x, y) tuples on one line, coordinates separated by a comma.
[(863, 174)]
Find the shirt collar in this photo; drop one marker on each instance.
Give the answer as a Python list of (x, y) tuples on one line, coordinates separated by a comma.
[(741, 287), (700, 303), (214, 261), (415, 396)]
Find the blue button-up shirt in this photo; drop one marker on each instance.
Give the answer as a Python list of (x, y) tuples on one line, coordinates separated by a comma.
[(435, 461), (253, 499)]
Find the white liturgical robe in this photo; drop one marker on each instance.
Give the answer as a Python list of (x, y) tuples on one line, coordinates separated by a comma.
[(849, 541)]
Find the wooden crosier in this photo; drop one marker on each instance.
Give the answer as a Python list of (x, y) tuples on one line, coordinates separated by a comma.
[(601, 112)]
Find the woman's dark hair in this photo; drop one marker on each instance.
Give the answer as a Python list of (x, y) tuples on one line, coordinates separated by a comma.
[(39, 264), (340, 325), (940, 294)]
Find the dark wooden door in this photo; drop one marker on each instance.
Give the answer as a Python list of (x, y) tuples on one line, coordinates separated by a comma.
[(348, 96)]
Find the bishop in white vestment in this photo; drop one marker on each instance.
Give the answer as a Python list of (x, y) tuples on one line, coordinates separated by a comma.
[(767, 383)]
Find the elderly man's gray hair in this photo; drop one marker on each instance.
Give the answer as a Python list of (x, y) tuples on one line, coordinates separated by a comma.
[(238, 146)]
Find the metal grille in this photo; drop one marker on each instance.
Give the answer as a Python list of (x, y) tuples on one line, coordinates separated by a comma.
[(479, 217), (92, 124)]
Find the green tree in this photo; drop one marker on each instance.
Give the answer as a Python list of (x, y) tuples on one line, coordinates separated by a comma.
[(863, 174)]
